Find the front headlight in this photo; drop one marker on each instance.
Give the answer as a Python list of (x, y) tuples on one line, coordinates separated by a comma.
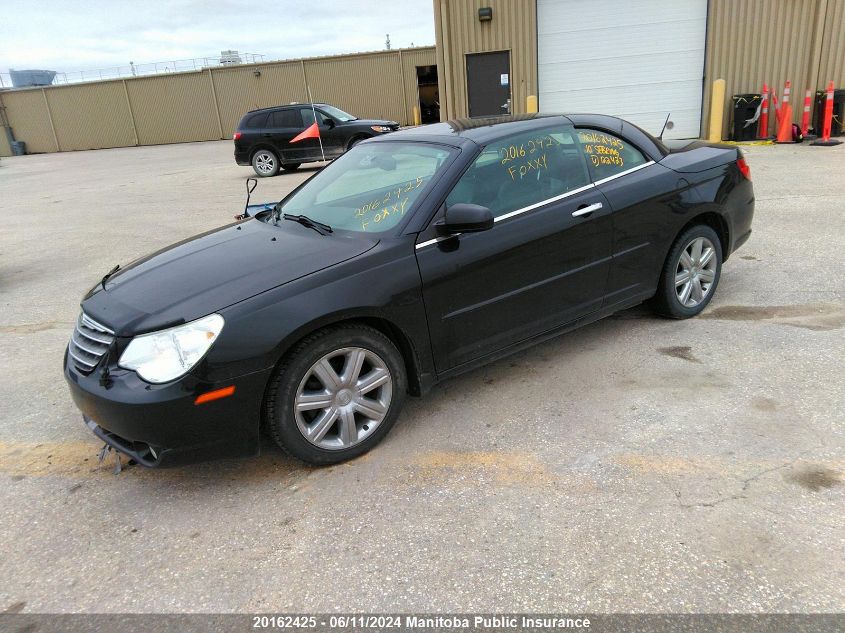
[(166, 355), (379, 128)]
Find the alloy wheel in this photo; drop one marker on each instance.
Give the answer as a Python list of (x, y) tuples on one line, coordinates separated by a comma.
[(696, 272), (265, 162), (343, 398)]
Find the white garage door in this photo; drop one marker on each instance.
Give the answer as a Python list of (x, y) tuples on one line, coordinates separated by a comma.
[(636, 59)]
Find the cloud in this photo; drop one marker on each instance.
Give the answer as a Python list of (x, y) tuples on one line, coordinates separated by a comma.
[(71, 35)]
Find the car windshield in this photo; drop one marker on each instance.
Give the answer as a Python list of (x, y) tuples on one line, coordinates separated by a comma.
[(337, 113), (371, 187)]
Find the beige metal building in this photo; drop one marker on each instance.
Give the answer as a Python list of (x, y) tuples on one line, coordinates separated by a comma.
[(639, 59), (207, 104)]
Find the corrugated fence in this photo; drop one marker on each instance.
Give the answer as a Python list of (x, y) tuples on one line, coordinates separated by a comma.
[(207, 104)]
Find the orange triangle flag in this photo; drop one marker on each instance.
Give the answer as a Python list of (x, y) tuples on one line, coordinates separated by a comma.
[(310, 132)]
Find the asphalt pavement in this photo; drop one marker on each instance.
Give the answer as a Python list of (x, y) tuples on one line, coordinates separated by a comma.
[(637, 464)]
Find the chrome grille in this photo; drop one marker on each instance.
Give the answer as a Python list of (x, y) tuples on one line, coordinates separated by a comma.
[(88, 343)]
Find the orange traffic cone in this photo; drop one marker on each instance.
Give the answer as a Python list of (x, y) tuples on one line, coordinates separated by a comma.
[(805, 116), (785, 117)]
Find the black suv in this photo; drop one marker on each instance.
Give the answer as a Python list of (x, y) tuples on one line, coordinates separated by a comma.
[(263, 137)]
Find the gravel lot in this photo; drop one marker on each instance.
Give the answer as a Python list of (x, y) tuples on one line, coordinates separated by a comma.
[(637, 464)]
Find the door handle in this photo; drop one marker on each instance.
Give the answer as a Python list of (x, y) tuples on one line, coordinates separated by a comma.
[(586, 210)]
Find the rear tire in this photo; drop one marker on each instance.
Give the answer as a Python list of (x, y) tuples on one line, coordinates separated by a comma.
[(336, 394), (690, 275), (265, 163), (291, 166)]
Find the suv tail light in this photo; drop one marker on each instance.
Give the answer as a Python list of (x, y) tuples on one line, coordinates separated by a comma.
[(744, 169), (236, 136)]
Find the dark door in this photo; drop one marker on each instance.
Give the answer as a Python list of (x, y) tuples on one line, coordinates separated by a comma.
[(648, 202), (543, 264), (311, 147), (333, 134), (282, 126), (488, 83)]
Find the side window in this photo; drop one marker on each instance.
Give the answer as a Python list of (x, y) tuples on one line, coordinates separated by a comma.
[(608, 155), (308, 116), (257, 120), (286, 118), (521, 170)]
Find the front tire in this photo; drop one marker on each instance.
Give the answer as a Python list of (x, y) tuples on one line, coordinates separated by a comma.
[(690, 275), (265, 163), (336, 394), (354, 141)]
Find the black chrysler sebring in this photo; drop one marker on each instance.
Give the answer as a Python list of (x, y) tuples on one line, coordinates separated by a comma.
[(411, 258)]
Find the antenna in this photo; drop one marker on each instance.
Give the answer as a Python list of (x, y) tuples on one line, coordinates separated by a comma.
[(665, 123)]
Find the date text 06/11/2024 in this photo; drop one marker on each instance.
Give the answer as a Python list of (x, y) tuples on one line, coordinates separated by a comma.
[(420, 622)]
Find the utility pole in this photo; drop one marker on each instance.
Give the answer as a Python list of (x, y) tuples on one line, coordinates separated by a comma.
[(387, 42)]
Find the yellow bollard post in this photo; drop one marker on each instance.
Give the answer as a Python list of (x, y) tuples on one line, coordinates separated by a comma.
[(717, 110), (417, 118), (531, 103)]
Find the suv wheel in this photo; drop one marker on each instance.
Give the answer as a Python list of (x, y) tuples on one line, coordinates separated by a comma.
[(265, 163)]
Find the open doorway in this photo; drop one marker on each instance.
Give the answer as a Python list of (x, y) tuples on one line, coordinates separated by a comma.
[(428, 93)]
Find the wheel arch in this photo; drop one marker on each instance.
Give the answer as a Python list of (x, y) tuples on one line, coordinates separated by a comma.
[(398, 336), (259, 146), (360, 136), (715, 221)]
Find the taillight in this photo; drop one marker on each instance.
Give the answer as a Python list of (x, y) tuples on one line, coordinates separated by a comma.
[(236, 136), (744, 169)]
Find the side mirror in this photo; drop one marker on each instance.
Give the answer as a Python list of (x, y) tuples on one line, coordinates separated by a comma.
[(466, 218), (329, 123)]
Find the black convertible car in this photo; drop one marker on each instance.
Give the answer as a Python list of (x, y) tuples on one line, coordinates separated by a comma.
[(410, 259)]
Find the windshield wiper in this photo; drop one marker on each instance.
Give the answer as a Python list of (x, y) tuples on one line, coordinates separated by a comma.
[(304, 220), (109, 274)]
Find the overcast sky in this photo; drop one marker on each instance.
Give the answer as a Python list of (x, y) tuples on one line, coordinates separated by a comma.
[(68, 35)]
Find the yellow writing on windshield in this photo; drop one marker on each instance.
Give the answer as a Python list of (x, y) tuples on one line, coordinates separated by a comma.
[(602, 149), (526, 167), (515, 152)]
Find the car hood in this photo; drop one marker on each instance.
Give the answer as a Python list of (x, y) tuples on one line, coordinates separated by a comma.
[(392, 124), (214, 270)]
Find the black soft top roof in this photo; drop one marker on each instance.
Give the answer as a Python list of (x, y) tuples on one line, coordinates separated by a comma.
[(484, 130)]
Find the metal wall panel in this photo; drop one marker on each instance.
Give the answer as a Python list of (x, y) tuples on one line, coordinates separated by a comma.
[(173, 108), (459, 32), (239, 90), (753, 41), (30, 121), (91, 117), (832, 54), (369, 87), (5, 149)]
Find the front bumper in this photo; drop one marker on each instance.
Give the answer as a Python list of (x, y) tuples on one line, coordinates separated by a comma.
[(159, 425)]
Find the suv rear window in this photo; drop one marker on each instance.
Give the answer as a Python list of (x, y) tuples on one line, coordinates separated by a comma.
[(256, 120)]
